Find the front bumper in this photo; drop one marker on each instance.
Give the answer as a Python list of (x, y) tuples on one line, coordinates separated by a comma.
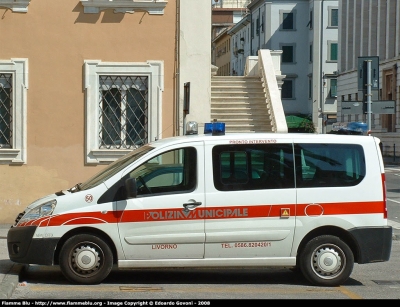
[(23, 248)]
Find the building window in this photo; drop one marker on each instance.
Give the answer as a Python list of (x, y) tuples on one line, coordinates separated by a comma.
[(123, 111), (6, 90), (333, 17), (252, 29), (119, 116), (310, 22), (287, 20), (311, 53), (287, 89), (333, 88), (262, 24), (258, 26), (287, 53), (310, 88), (332, 51), (13, 93)]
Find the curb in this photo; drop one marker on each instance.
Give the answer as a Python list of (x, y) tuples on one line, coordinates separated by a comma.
[(10, 281)]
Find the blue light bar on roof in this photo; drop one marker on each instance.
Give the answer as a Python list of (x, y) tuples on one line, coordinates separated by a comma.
[(214, 128)]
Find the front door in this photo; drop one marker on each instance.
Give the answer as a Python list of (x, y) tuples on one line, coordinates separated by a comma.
[(162, 221)]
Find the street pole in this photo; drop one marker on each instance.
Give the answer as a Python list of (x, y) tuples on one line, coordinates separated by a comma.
[(369, 96)]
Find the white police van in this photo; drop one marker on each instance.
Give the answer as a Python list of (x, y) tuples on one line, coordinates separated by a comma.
[(312, 202)]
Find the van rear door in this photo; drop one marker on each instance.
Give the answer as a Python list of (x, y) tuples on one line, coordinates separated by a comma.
[(251, 199)]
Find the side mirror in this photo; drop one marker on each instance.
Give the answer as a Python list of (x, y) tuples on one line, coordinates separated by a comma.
[(131, 188)]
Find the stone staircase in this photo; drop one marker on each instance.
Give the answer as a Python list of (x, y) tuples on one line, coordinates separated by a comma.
[(240, 102)]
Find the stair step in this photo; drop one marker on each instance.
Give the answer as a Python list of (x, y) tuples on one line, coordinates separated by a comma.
[(242, 118), (237, 106), (242, 110), (237, 95), (242, 99), (248, 128), (235, 78), (247, 121)]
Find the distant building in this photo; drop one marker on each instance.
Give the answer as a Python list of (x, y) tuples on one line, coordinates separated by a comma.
[(307, 33), (225, 14), (371, 29)]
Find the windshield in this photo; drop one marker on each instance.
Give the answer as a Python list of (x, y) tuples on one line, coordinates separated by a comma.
[(114, 167)]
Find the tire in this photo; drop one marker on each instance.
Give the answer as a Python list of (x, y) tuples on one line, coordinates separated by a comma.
[(85, 259), (326, 261)]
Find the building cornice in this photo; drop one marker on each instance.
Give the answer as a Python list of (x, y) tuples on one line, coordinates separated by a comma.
[(153, 7), (18, 6)]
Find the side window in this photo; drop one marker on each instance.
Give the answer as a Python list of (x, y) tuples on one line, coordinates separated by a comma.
[(253, 167), (171, 172), (329, 165)]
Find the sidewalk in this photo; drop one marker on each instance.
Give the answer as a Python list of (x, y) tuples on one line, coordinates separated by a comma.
[(9, 270)]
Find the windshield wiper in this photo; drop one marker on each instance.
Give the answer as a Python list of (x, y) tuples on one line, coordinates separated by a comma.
[(75, 188)]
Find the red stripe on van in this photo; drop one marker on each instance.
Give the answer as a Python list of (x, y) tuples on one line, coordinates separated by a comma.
[(345, 208), (209, 213), (233, 212)]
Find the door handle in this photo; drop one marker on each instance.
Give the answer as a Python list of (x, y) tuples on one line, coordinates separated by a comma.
[(191, 206)]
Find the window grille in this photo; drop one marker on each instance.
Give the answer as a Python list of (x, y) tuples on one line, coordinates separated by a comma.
[(123, 112), (6, 106)]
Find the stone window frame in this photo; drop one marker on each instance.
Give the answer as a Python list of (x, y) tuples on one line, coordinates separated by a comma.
[(124, 6), (92, 70), (18, 67), (17, 6)]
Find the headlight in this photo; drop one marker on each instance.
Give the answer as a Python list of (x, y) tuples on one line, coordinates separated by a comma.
[(39, 211)]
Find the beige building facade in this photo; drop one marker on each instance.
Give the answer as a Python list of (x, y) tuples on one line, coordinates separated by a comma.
[(83, 82)]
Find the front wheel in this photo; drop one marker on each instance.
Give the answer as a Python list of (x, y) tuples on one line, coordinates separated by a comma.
[(326, 261), (85, 259)]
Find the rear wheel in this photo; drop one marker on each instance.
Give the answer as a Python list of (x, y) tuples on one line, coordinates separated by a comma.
[(85, 259), (326, 261)]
